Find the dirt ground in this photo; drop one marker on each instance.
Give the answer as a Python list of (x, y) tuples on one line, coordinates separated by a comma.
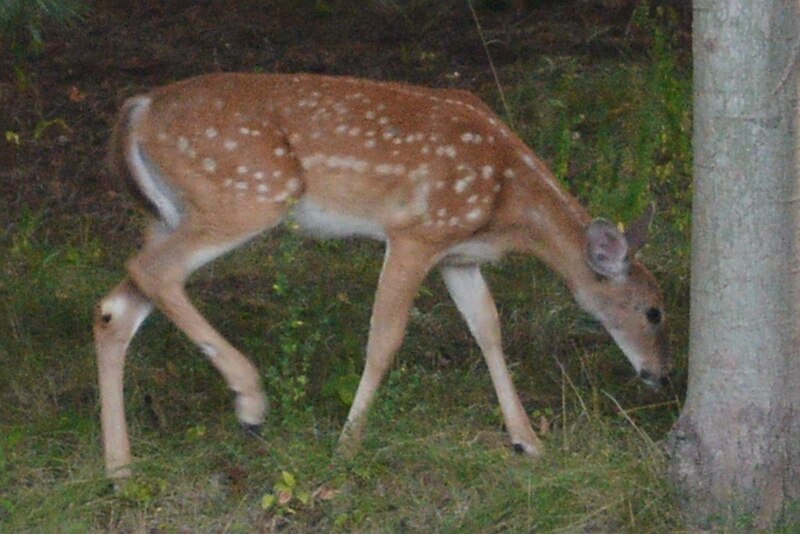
[(61, 102)]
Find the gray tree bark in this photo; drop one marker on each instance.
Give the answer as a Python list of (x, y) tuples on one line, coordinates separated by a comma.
[(735, 450)]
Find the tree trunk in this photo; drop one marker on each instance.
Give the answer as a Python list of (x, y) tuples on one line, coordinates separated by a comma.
[(735, 450)]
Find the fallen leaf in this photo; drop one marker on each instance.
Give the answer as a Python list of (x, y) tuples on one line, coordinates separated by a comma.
[(284, 497), (324, 493), (76, 95)]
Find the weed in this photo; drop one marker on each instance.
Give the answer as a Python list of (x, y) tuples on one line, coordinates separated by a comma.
[(297, 342)]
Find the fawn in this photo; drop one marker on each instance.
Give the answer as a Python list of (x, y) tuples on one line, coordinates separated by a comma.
[(433, 173)]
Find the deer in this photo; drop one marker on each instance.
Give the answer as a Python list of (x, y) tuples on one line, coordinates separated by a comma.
[(220, 159)]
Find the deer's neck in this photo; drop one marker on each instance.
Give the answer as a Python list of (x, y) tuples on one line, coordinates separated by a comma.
[(550, 224)]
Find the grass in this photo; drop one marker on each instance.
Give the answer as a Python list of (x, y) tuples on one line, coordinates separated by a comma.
[(435, 456)]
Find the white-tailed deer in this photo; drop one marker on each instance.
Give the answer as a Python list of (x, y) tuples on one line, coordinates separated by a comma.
[(219, 159)]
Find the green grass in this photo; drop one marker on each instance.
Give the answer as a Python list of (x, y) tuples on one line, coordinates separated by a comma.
[(435, 458)]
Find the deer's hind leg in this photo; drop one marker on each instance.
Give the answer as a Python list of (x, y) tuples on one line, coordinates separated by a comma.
[(157, 275), (160, 271), (117, 318)]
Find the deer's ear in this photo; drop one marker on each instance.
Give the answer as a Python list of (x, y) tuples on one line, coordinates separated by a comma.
[(636, 234), (607, 249)]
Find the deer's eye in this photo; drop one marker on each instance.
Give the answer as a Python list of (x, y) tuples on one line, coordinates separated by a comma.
[(653, 316)]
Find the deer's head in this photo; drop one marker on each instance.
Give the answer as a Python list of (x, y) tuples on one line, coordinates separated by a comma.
[(625, 297)]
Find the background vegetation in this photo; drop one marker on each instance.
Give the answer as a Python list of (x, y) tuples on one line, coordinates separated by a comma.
[(600, 89)]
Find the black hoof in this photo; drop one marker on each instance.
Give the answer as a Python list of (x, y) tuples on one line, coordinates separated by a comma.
[(252, 430), (519, 448)]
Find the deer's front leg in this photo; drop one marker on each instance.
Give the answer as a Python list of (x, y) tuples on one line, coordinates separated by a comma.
[(474, 301), (405, 267)]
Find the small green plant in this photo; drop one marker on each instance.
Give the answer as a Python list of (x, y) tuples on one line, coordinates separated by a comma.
[(12, 137), (142, 491), (288, 377), (289, 497), (285, 494)]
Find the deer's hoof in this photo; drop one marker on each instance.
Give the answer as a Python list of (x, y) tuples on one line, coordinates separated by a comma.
[(252, 430), (528, 450)]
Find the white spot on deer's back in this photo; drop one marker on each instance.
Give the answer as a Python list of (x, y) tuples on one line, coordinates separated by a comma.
[(280, 151), (471, 138), (281, 197), (389, 169), (230, 144), (447, 150), (346, 163), (474, 215), (307, 103), (183, 144), (211, 133), (209, 165), (419, 172), (461, 185), (309, 162), (293, 185)]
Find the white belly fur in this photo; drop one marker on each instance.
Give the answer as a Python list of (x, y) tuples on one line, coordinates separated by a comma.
[(472, 252), (315, 220)]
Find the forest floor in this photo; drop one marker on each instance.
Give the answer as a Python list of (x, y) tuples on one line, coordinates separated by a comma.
[(599, 88)]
